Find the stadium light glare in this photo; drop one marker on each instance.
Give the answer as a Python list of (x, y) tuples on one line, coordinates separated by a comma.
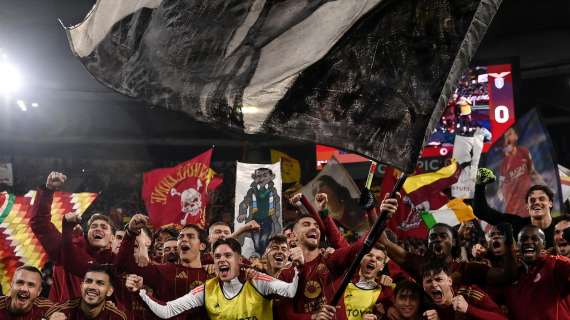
[(35, 104), (10, 78)]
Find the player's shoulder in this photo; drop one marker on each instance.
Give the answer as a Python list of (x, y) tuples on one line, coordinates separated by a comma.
[(116, 312), (41, 302), (64, 307)]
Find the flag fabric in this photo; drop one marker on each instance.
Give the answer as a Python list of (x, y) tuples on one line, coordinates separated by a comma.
[(343, 195), (453, 213), (370, 76), (258, 198), (290, 167), (524, 156), (564, 182), (420, 187), (6, 175), (18, 242), (179, 195), (467, 150), (406, 222)]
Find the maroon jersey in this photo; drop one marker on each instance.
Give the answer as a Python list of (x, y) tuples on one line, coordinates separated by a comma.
[(481, 306), (39, 309), (168, 281), (318, 280), (65, 285), (462, 272), (542, 291), (72, 309), (515, 170)]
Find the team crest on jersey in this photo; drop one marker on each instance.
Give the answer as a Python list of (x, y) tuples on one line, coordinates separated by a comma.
[(312, 289), (322, 268), (195, 284)]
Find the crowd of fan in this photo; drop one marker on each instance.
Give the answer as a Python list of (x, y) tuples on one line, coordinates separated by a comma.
[(519, 269)]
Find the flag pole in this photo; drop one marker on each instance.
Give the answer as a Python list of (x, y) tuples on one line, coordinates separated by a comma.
[(373, 165), (371, 239)]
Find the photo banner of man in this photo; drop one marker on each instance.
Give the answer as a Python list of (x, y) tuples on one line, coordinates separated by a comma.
[(290, 167), (179, 195), (523, 157), (6, 175), (258, 198), (565, 183), (291, 68), (343, 195), (467, 149)]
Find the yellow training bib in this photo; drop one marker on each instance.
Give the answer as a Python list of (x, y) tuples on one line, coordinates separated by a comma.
[(249, 304), (359, 301)]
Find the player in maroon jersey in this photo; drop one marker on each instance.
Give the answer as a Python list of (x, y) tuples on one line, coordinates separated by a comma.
[(95, 289), (23, 302), (543, 284)]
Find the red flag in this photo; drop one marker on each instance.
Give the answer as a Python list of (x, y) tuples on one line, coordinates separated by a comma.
[(179, 195)]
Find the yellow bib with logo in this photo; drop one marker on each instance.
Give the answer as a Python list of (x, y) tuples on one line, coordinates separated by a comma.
[(249, 304), (359, 301)]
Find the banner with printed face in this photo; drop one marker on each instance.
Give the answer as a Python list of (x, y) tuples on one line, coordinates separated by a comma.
[(524, 156), (179, 195), (258, 198), (343, 195)]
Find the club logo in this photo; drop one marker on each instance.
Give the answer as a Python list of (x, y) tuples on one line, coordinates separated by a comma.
[(312, 289)]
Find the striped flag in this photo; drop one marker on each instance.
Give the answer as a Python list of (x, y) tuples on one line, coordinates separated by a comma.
[(18, 244), (453, 213), (421, 187)]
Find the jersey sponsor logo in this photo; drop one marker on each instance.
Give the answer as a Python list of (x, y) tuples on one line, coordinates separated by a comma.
[(182, 275), (358, 312), (312, 289)]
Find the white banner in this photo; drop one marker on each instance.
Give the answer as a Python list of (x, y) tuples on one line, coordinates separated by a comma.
[(6, 175), (258, 197), (467, 149)]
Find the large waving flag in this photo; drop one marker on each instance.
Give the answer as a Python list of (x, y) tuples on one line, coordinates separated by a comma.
[(18, 243), (421, 187), (364, 75), (179, 195)]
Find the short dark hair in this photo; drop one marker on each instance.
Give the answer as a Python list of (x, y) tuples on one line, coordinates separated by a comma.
[(201, 233), (408, 285), (532, 227), (170, 239), (100, 216), (434, 266), (277, 239), (29, 268), (540, 187), (302, 216), (231, 242), (219, 223), (102, 268), (289, 226)]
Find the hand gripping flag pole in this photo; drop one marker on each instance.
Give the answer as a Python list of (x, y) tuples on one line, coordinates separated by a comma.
[(373, 236)]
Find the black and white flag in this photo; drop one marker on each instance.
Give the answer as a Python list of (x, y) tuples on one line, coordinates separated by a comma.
[(364, 75)]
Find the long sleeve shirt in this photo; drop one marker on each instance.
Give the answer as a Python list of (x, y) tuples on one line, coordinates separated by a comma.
[(318, 280), (65, 285), (168, 281), (264, 284)]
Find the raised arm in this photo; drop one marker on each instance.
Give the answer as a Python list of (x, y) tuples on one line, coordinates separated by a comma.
[(75, 260), (191, 300), (40, 222), (267, 285)]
